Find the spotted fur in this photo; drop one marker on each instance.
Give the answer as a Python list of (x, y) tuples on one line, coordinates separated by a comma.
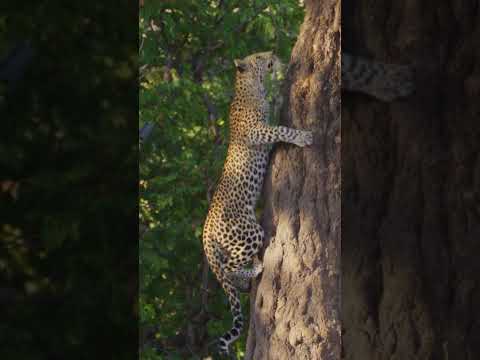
[(231, 236), (385, 82)]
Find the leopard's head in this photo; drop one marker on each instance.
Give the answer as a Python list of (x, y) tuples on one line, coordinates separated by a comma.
[(255, 67)]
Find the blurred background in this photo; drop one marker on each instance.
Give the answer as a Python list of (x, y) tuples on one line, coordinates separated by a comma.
[(68, 180)]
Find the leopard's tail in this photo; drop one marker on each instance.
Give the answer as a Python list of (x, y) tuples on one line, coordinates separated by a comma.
[(385, 82), (236, 310), (220, 257)]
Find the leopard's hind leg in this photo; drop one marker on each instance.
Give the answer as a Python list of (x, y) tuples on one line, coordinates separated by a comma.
[(242, 250), (248, 243)]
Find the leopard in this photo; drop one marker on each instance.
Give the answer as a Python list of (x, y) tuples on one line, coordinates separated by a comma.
[(232, 237)]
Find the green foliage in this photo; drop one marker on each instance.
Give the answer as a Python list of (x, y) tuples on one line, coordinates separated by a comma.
[(187, 50)]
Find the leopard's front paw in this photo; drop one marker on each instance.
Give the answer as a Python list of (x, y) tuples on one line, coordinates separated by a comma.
[(303, 138)]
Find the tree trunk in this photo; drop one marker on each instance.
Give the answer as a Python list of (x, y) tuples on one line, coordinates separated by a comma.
[(410, 214), (295, 309)]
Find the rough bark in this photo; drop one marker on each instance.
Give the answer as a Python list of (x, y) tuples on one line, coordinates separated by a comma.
[(295, 309), (410, 191)]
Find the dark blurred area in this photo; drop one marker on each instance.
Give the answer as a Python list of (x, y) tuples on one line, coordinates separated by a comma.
[(68, 180), (411, 186)]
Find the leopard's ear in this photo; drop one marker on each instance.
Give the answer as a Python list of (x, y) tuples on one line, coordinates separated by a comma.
[(240, 65)]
